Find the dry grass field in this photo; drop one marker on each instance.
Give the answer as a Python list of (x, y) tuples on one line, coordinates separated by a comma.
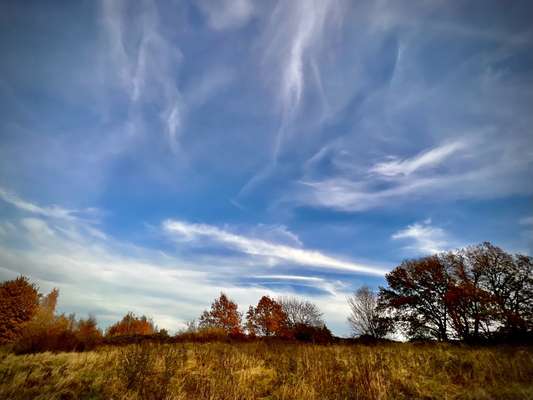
[(271, 371)]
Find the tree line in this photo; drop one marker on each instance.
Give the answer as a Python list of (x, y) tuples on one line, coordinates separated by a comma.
[(479, 293), (476, 294)]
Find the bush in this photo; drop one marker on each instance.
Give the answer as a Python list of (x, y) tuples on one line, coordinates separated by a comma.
[(311, 334), (132, 325), (147, 369), (58, 334)]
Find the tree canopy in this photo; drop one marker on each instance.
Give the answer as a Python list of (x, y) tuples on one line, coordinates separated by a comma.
[(19, 300), (223, 314)]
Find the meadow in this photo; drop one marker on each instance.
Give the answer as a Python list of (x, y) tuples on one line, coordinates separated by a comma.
[(271, 370)]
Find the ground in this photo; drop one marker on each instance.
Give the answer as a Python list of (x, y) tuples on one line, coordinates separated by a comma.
[(271, 371)]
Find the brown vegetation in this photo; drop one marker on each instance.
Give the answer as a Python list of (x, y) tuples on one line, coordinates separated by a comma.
[(47, 331), (223, 315), (277, 370), (476, 295), (18, 303), (132, 325), (267, 319)]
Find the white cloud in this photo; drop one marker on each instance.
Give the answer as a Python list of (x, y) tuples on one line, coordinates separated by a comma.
[(98, 274), (460, 174), (226, 14), (257, 247), (315, 282), (109, 278), (526, 221), (290, 278), (424, 238), (424, 160), (293, 42), (52, 211), (147, 67)]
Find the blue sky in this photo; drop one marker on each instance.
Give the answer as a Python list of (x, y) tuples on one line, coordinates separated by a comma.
[(155, 153)]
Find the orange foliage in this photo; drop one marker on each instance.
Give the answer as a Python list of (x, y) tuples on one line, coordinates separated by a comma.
[(224, 315), (267, 319), (18, 303), (47, 331), (132, 325), (87, 333)]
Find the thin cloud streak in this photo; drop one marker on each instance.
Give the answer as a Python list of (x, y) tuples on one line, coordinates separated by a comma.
[(99, 274), (148, 71), (453, 170), (424, 160), (257, 247), (226, 14), (292, 50), (21, 204), (106, 277)]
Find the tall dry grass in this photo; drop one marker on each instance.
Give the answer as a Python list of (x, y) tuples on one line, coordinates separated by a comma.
[(271, 371)]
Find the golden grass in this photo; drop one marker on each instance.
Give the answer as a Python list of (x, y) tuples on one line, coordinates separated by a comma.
[(271, 371)]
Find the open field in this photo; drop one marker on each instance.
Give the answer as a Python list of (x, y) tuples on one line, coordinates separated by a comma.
[(271, 371)]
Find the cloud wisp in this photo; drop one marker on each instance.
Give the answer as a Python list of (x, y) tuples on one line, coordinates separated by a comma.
[(226, 14), (147, 67), (427, 159), (51, 211), (257, 247), (100, 274), (424, 237), (457, 169), (292, 44)]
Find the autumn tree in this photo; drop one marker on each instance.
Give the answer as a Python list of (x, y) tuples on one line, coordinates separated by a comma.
[(416, 295), (468, 300), (49, 331), (508, 282), (301, 312), (223, 315), (130, 324), (267, 318), (477, 293), (87, 333), (367, 318), (19, 300)]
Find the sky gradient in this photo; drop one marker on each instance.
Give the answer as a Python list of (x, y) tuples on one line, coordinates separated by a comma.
[(155, 153)]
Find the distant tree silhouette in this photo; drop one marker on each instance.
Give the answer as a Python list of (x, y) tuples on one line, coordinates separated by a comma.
[(468, 300), (223, 315), (416, 294), (132, 325), (366, 316), (310, 333), (19, 300), (506, 283), (267, 318), (477, 293), (301, 312)]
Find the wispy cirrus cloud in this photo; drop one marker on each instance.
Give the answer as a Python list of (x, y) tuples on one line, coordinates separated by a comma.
[(294, 40), (526, 221), (226, 14), (458, 169), (262, 248), (424, 238), (427, 159), (147, 62), (53, 211), (103, 275)]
